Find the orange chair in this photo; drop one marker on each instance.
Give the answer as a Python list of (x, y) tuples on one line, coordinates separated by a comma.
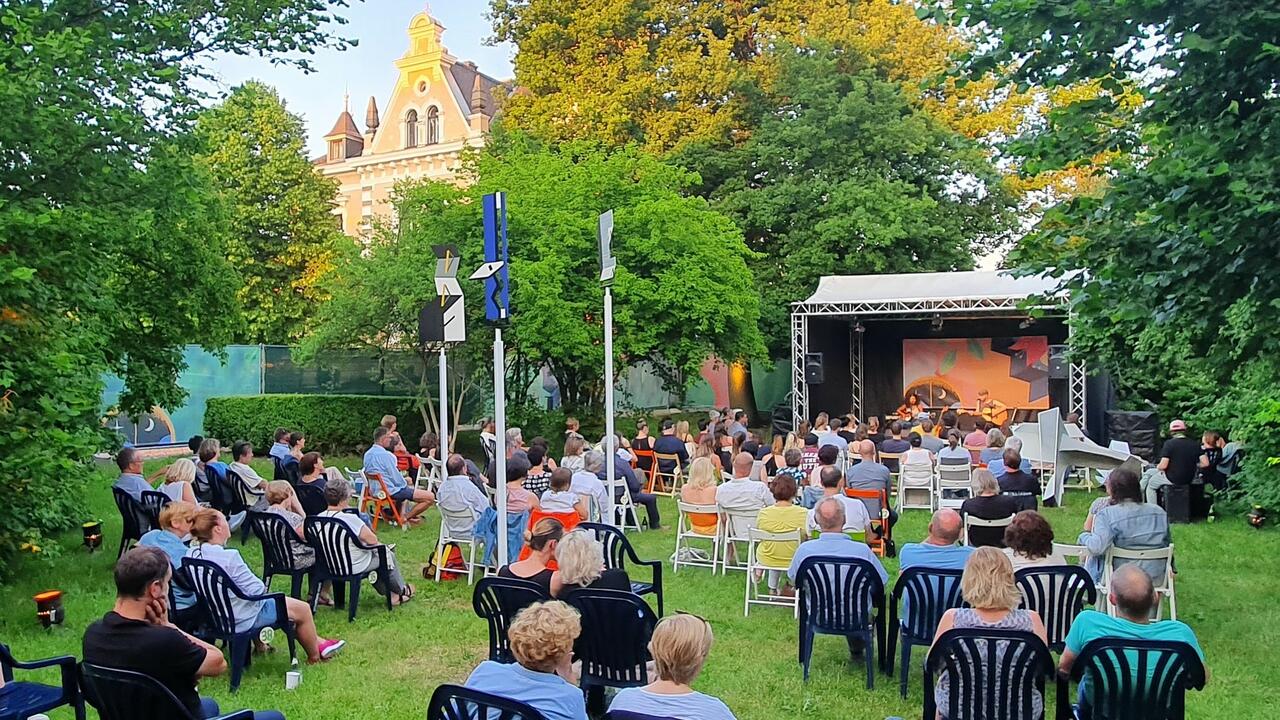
[(881, 543), (379, 502), (569, 520), (653, 464)]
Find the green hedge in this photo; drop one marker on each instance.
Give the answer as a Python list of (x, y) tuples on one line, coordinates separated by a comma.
[(332, 424)]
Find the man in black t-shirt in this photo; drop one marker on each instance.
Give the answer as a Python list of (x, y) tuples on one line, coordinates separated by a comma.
[(137, 635), (1023, 487), (1179, 462), (668, 444)]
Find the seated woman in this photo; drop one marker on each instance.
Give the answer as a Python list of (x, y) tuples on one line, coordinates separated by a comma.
[(776, 459), (707, 449), (644, 443), (519, 500), (558, 498), (179, 478), (311, 470), (987, 504), (700, 489), (954, 453), (987, 585), (683, 435), (679, 646), (581, 561), (171, 537), (297, 445), (574, 447), (211, 532), (1029, 542), (210, 449), (541, 540), (283, 501), (541, 638), (782, 517), (917, 454), (994, 451), (1125, 522), (539, 477), (389, 580), (406, 462)]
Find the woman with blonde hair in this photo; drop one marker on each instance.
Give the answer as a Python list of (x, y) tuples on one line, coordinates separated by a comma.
[(179, 480), (679, 645), (683, 435), (700, 489), (541, 638), (987, 585), (707, 449), (994, 451), (580, 558), (541, 540), (574, 446), (171, 537)]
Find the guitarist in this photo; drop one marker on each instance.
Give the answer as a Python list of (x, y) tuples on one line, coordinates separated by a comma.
[(992, 410)]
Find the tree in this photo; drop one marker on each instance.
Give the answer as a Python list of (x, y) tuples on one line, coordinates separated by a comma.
[(110, 238), (1174, 269), (283, 236), (682, 291), (843, 175)]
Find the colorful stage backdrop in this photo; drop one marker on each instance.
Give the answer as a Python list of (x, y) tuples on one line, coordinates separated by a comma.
[(946, 371)]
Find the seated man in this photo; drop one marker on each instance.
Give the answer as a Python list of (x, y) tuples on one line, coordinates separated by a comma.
[(137, 635), (129, 460), (456, 493), (1013, 443), (1023, 487), (870, 475), (829, 516), (1135, 599), (587, 480), (541, 638), (855, 512), (939, 550), (668, 444), (280, 447), (378, 459), (628, 482), (895, 444)]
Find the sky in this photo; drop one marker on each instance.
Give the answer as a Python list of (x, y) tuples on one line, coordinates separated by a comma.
[(381, 27)]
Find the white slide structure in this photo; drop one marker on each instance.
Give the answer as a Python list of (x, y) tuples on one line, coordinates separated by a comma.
[(1058, 447)]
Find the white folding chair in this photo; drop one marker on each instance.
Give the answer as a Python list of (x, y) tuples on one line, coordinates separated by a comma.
[(458, 527), (735, 528), (666, 483), (686, 534), (1071, 551), (1162, 588), (915, 478), (357, 480), (971, 521), (758, 570), (625, 513), (952, 478), (430, 473)]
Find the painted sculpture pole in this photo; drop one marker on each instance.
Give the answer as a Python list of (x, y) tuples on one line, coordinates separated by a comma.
[(497, 313), (607, 266)]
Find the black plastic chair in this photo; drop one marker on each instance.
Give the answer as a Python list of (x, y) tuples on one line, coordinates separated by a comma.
[(135, 521), (629, 715), (311, 498), (128, 695), (214, 591), (334, 542), (1058, 593), (454, 702), (841, 596), (20, 700), (1113, 666), (497, 600), (614, 644), (279, 543), (277, 470), (225, 497), (153, 501), (929, 593), (991, 673), (618, 552), (191, 620)]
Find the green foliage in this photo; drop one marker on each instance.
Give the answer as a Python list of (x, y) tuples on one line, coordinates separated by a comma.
[(110, 238), (1175, 269), (332, 424), (282, 236), (843, 175)]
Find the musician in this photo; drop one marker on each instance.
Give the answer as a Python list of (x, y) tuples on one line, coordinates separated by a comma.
[(912, 408), (992, 410)]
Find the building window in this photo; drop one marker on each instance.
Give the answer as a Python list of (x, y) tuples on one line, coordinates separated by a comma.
[(335, 150), (433, 126), (411, 129)]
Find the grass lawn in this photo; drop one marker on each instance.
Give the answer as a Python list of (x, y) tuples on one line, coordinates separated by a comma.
[(1227, 589)]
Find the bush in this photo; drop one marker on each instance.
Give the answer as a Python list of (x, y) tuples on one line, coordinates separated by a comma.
[(332, 424)]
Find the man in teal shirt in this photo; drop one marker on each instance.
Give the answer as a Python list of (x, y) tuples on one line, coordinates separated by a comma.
[(939, 551), (829, 516), (1133, 594)]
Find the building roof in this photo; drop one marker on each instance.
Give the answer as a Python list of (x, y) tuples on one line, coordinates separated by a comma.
[(465, 74), (937, 286), (345, 127)]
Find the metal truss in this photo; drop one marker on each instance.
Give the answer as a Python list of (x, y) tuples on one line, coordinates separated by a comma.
[(855, 370), (907, 309), (799, 389)]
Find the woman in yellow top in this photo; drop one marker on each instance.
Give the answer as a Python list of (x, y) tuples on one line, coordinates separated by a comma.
[(782, 516), (700, 489)]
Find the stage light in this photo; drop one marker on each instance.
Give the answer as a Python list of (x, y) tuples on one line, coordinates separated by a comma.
[(92, 534), (859, 328), (937, 323), (1028, 322), (49, 610)]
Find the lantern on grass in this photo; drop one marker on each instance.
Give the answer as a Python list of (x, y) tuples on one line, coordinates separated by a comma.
[(92, 534), (49, 610), (1257, 516)]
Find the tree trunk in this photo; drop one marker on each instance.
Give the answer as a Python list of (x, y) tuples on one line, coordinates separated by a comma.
[(742, 393)]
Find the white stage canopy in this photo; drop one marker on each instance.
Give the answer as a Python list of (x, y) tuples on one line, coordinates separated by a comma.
[(924, 287)]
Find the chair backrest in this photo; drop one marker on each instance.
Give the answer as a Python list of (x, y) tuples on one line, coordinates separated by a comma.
[(664, 457), (1137, 679), (838, 594), (917, 474), (953, 475), (617, 548), (240, 490), (132, 514), (1079, 552), (214, 592), (688, 511), (226, 492), (992, 673), (311, 498), (891, 460), (278, 540), (454, 702), (334, 542), (1058, 593), (929, 593), (614, 644), (153, 501), (460, 521), (877, 501), (128, 695), (737, 524), (972, 521), (497, 600)]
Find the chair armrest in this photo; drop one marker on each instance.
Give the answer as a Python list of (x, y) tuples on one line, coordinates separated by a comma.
[(65, 661)]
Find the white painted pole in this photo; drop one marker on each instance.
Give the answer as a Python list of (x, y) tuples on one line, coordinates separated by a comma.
[(500, 430), (610, 444), (444, 407)]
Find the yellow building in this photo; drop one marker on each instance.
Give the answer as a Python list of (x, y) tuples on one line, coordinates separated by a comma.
[(438, 107)]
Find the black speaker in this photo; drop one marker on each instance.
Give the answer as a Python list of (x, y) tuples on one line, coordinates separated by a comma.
[(1059, 369), (813, 374), (1139, 428)]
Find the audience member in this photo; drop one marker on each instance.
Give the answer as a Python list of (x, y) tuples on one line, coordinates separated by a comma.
[(994, 451), (136, 635), (171, 537), (849, 429), (917, 455), (572, 430), (406, 462), (988, 504), (241, 455), (312, 471), (870, 475), (629, 482), (743, 493), (954, 453), (829, 516), (539, 477), (855, 512), (129, 460), (179, 481), (293, 455), (283, 501), (775, 458), (874, 432), (939, 550), (1029, 542), (574, 447), (669, 443), (1015, 444), (929, 439), (541, 540), (558, 498), (457, 493), (519, 500), (808, 455), (707, 448), (993, 597), (895, 444), (1023, 487), (516, 435), (1125, 522), (379, 460), (1179, 462), (210, 531), (297, 445), (587, 481), (388, 580), (792, 459), (511, 449), (978, 437), (679, 646), (641, 446), (541, 638), (429, 445), (280, 447), (739, 424), (812, 486), (580, 564), (700, 488), (832, 436), (782, 517)]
